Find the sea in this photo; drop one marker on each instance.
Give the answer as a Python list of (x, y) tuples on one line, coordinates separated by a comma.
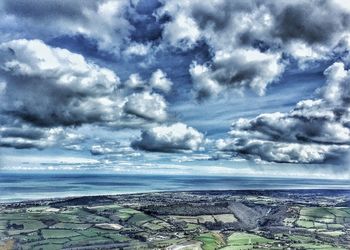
[(29, 186)]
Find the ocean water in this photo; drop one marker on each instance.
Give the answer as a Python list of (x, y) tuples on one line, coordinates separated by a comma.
[(27, 186)]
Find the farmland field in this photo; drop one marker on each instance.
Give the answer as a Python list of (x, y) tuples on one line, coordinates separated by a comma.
[(224, 220)]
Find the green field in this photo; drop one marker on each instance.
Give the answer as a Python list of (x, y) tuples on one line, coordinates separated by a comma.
[(312, 246), (198, 228), (140, 218), (211, 241), (239, 239), (323, 219), (58, 233), (66, 225)]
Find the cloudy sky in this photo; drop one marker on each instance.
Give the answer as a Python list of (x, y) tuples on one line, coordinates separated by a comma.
[(176, 87)]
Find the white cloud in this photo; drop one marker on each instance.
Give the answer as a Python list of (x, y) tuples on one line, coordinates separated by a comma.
[(336, 90), (314, 131), (203, 82), (101, 150), (135, 81), (171, 138), (24, 136), (147, 105), (103, 20), (160, 81), (247, 39), (238, 69), (137, 49), (182, 32), (284, 152), (51, 86)]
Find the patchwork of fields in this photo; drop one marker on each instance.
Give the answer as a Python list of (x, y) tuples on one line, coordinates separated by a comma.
[(183, 220)]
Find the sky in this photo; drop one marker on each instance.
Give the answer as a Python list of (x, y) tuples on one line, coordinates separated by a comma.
[(253, 88)]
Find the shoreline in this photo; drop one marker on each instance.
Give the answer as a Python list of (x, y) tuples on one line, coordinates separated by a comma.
[(243, 192), (46, 187)]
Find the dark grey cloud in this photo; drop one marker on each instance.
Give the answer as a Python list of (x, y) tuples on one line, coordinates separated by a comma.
[(32, 134), (21, 136), (173, 138), (51, 86), (315, 131), (103, 21), (20, 144), (50, 89), (249, 40), (286, 152), (219, 45), (241, 69), (310, 21), (45, 10), (147, 26)]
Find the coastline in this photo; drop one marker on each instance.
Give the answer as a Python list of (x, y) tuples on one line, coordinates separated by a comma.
[(122, 196), (30, 187)]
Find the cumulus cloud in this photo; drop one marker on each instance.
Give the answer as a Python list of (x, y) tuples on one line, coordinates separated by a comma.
[(171, 138), (135, 81), (47, 92), (22, 138), (25, 137), (182, 32), (137, 49), (112, 149), (241, 69), (160, 81), (103, 21), (314, 131), (282, 152), (46, 87), (147, 105), (247, 39), (101, 150), (74, 147), (52, 86)]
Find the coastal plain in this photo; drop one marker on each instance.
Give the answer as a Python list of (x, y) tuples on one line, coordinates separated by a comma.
[(279, 219)]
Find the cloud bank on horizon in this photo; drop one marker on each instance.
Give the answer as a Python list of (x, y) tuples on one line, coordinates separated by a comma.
[(138, 81)]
